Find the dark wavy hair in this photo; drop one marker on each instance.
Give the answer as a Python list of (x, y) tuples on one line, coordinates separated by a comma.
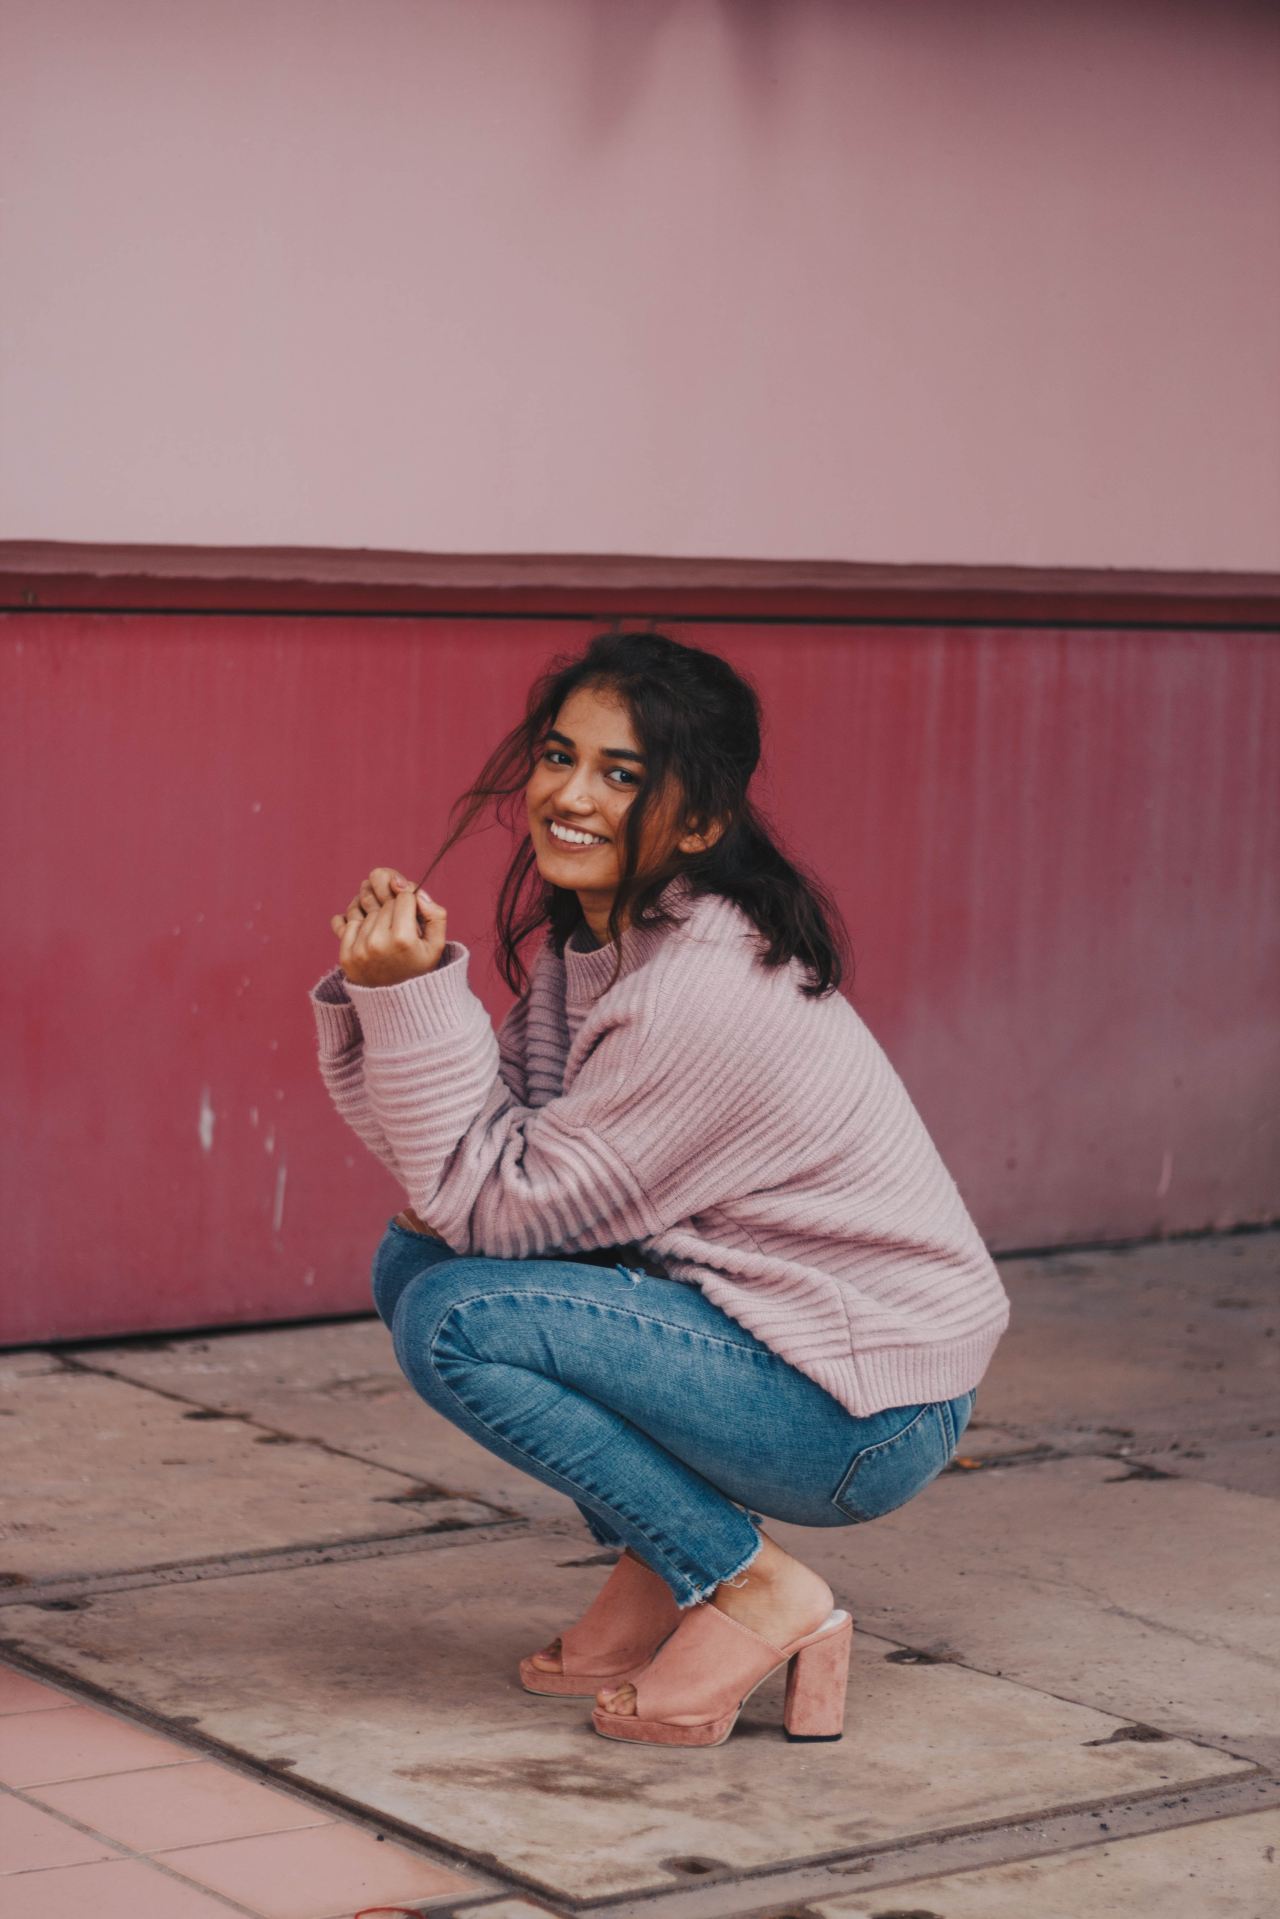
[(698, 724)]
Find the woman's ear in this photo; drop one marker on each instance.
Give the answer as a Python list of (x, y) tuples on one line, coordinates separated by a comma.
[(700, 842)]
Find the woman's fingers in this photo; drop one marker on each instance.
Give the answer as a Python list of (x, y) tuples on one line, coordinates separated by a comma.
[(390, 931), (406, 935), (435, 928), (383, 884)]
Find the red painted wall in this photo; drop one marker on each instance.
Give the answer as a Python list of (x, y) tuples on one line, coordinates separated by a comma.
[(1056, 852)]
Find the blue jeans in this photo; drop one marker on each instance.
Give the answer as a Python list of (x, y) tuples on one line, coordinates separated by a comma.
[(655, 1412)]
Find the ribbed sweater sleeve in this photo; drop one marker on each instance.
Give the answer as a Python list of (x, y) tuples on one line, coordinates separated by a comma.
[(651, 1127), (341, 1053), (340, 1045)]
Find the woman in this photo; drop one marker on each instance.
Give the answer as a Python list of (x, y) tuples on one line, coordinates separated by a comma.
[(678, 1243)]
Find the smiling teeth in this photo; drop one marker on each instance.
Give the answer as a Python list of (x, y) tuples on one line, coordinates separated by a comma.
[(559, 832)]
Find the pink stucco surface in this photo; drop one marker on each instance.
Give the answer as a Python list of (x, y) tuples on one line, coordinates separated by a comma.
[(994, 283)]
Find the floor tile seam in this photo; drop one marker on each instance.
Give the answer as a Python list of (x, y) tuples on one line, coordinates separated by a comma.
[(1201, 1741), (341, 1810), (202, 1749), (348, 1815), (32, 1786), (186, 1572), (1098, 1603), (819, 1875), (31, 1797), (1135, 1460), (83, 1370), (148, 1864), (26, 1795)]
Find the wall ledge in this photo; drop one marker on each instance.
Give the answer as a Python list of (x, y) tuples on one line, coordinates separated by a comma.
[(56, 576)]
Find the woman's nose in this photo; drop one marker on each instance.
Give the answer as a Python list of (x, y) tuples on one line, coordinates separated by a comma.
[(573, 795)]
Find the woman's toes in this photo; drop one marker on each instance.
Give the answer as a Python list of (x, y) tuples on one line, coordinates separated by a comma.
[(548, 1660), (621, 1701)]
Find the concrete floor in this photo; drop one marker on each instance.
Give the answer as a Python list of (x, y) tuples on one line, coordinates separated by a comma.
[(1065, 1696)]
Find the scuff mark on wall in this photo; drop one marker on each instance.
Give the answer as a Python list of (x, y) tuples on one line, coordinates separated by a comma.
[(278, 1215), (205, 1122)]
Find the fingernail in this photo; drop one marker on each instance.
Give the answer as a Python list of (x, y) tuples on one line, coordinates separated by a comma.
[(425, 898)]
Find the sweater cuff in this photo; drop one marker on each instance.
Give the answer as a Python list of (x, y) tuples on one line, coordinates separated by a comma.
[(337, 1026), (424, 1008)]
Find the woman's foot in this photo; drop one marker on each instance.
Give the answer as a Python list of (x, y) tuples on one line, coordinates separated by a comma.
[(549, 1659), (779, 1597)]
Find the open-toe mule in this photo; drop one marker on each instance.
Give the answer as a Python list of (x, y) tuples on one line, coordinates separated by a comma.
[(696, 1684), (615, 1638)]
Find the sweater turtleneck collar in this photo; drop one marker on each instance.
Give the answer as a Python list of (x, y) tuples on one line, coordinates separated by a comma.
[(588, 970)]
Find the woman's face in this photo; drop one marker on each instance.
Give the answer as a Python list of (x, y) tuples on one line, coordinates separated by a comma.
[(587, 775)]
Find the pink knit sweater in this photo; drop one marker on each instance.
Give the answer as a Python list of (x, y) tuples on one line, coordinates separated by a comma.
[(749, 1140)]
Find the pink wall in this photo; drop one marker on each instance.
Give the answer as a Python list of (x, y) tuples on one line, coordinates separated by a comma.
[(993, 283), (1058, 855)]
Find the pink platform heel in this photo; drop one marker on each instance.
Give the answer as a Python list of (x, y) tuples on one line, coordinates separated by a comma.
[(616, 1637), (718, 1663)]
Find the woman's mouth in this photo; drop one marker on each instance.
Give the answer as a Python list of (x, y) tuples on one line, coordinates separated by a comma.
[(572, 839)]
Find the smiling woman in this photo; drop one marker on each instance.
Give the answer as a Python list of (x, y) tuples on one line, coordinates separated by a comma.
[(577, 799), (692, 1256), (647, 746)]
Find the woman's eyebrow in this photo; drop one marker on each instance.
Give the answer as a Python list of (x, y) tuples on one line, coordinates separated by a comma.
[(610, 752)]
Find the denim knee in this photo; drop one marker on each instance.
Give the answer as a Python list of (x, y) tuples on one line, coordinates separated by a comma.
[(400, 1257), (424, 1303)]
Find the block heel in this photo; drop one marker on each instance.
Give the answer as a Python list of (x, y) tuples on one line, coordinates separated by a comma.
[(696, 1684), (817, 1684)]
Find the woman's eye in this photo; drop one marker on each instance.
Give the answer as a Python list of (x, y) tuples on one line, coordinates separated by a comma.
[(554, 753)]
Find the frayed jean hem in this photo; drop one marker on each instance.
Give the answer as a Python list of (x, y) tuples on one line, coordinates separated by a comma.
[(730, 1579)]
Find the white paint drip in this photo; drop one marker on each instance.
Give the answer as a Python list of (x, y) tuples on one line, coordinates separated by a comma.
[(1166, 1174), (269, 1143), (278, 1214), (253, 1116), (204, 1125), (309, 1277)]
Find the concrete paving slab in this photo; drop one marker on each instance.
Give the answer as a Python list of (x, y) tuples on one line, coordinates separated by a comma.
[(1244, 1464), (25, 1365), (1145, 1343), (1152, 1599), (510, 1909), (1229, 1869), (337, 1384), (394, 1684), (103, 1475)]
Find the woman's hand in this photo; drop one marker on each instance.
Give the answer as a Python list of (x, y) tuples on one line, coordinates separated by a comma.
[(380, 939), (410, 1219)]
